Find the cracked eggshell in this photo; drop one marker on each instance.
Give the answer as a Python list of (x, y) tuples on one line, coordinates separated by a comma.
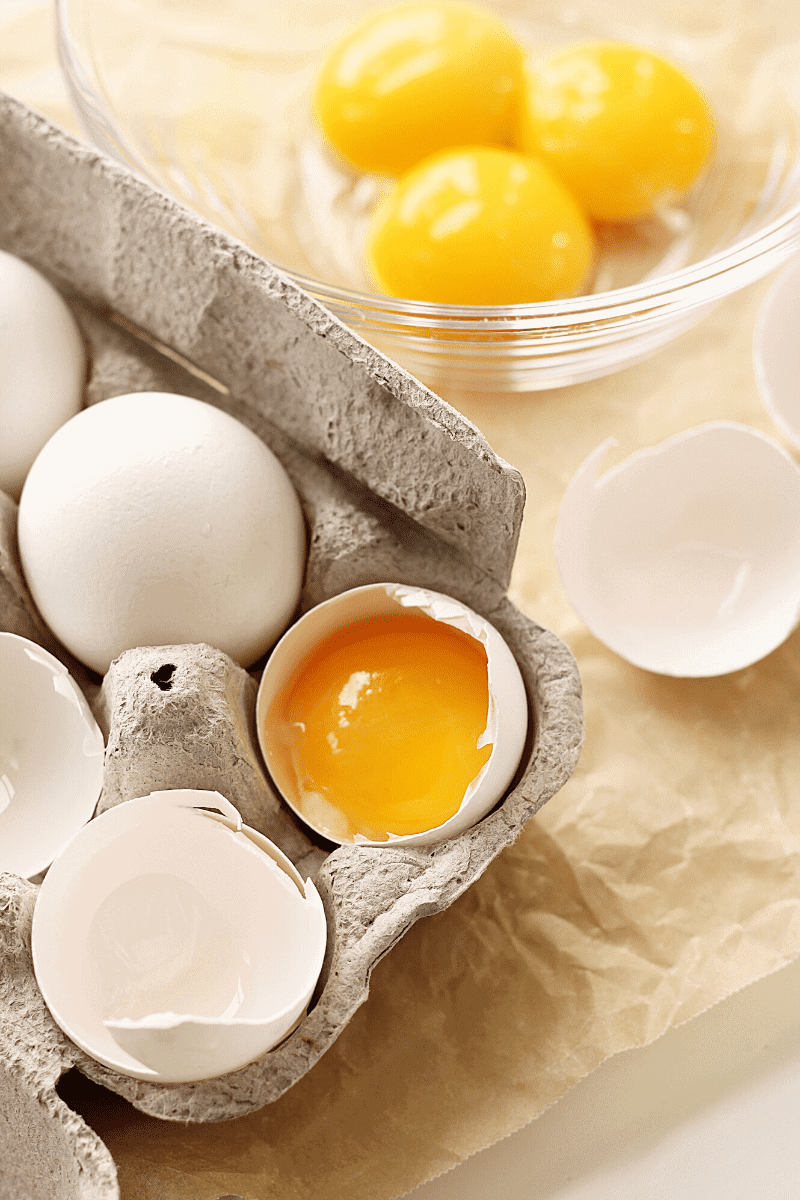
[(43, 367), (507, 718), (775, 353), (174, 944), (685, 558), (51, 757), (154, 519)]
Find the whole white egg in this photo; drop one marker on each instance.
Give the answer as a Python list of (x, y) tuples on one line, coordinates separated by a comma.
[(154, 519), (42, 368)]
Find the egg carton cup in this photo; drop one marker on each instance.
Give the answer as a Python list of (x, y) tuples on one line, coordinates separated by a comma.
[(394, 484)]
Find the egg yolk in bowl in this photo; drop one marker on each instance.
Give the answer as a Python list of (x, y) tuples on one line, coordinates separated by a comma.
[(479, 225), (621, 126), (414, 78)]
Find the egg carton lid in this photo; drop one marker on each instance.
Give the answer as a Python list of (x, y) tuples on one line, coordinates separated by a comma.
[(97, 229)]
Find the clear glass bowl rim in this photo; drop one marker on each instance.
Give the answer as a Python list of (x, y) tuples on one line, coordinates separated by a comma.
[(699, 284)]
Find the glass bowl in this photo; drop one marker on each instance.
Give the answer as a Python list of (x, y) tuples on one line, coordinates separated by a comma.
[(210, 100)]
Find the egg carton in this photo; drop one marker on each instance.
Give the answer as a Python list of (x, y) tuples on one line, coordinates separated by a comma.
[(394, 484)]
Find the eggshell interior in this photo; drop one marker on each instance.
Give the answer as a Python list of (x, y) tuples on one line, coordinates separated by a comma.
[(507, 718), (171, 947), (51, 757), (685, 557), (775, 351)]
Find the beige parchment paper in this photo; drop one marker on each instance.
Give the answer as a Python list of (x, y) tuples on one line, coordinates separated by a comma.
[(661, 879)]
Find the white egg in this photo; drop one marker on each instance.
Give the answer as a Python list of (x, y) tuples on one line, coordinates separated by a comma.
[(42, 367), (506, 708), (173, 944), (685, 558), (51, 757), (154, 519)]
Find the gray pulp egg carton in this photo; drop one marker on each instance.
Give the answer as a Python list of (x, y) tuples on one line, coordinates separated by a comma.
[(394, 484)]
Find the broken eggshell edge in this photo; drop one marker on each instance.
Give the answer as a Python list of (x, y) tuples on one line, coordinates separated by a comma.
[(684, 558), (173, 833), (507, 708), (49, 723)]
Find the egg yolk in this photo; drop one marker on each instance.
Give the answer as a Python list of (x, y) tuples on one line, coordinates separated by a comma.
[(383, 722), (479, 225), (414, 78), (624, 128)]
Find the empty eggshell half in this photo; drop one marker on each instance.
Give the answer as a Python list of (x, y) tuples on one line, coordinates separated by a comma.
[(685, 558), (51, 757), (775, 351), (506, 720), (174, 944)]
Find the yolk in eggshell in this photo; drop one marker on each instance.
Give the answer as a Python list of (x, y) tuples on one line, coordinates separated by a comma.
[(383, 722), (623, 127), (479, 225), (414, 78)]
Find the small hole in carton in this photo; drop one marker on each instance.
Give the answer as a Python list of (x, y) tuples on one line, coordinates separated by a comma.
[(163, 676), (101, 1109)]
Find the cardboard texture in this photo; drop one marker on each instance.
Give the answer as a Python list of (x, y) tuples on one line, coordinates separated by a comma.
[(46, 1150), (394, 484)]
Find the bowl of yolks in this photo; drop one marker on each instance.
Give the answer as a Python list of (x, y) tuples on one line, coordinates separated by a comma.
[(502, 197)]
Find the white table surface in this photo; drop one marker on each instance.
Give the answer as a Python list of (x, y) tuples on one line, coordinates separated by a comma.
[(710, 1111)]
